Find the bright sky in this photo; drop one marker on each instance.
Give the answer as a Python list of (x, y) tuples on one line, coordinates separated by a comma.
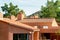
[(29, 6)]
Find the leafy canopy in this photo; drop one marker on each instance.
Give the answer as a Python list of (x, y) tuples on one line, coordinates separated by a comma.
[(10, 10), (51, 10)]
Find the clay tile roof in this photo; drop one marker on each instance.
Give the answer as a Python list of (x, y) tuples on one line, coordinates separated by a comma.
[(37, 20), (17, 23)]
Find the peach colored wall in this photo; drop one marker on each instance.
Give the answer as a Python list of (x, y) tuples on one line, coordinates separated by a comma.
[(10, 36), (36, 35), (16, 29), (3, 31)]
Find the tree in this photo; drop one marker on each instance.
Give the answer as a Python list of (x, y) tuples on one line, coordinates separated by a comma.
[(10, 10), (57, 3), (51, 10)]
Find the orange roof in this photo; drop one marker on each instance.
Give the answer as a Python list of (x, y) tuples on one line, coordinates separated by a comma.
[(17, 23), (21, 25), (37, 20)]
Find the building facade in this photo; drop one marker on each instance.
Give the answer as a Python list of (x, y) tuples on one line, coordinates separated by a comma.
[(33, 28)]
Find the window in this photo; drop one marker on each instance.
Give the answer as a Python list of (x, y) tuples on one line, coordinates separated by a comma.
[(20, 36), (35, 26), (45, 27)]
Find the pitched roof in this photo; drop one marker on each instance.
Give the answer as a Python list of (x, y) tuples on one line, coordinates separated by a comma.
[(37, 20), (36, 13), (17, 23)]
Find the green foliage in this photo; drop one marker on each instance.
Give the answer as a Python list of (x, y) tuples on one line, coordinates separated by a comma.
[(10, 9), (51, 10), (57, 32)]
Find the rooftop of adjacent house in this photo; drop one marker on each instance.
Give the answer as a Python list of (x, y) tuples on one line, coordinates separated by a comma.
[(37, 20)]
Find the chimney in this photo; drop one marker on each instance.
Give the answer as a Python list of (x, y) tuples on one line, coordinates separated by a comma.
[(1, 16), (20, 16), (12, 17), (34, 16)]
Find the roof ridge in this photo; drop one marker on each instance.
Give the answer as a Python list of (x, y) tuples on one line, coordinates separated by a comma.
[(19, 24)]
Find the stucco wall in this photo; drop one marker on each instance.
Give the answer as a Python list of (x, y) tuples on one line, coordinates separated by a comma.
[(16, 29), (3, 31), (36, 35)]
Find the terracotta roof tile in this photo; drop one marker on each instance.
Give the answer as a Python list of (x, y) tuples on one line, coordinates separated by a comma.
[(37, 20), (17, 23)]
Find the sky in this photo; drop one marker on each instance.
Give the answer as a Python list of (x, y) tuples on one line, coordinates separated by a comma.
[(29, 6)]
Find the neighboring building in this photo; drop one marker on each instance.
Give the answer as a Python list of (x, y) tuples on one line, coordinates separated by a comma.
[(36, 13), (33, 28)]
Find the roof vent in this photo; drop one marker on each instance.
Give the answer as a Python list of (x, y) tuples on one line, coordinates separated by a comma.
[(45, 27), (13, 17), (36, 27), (20, 16)]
